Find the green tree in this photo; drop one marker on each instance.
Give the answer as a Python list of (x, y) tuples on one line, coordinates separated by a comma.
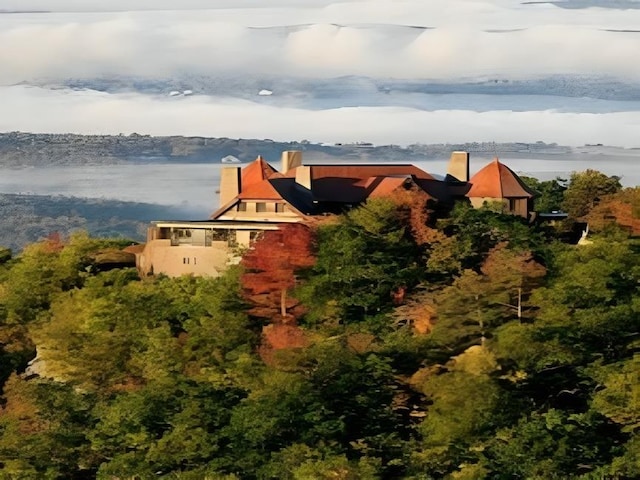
[(549, 193), (585, 190), (553, 444), (473, 232), (44, 427), (165, 427), (619, 400), (361, 259)]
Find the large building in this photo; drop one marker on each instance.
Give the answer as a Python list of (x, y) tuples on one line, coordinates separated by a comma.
[(258, 197)]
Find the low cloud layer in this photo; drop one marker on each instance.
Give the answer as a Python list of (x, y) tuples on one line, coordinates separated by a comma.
[(438, 39), (63, 111)]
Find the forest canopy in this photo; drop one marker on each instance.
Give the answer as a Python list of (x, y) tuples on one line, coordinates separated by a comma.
[(391, 341)]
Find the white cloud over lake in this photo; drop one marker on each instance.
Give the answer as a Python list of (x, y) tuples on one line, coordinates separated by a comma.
[(369, 37), (88, 112), (418, 40)]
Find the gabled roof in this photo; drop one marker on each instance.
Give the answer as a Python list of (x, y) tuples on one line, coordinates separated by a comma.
[(496, 180), (256, 172)]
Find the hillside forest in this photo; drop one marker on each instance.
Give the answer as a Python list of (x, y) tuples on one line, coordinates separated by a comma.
[(397, 340)]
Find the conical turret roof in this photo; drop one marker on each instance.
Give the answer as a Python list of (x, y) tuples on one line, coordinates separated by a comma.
[(496, 180)]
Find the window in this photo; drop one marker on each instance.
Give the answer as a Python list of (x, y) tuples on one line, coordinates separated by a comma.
[(279, 207), (261, 207), (242, 207)]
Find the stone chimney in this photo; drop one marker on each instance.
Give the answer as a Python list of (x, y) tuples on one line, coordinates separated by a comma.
[(458, 166), (230, 184), (291, 159), (303, 176)]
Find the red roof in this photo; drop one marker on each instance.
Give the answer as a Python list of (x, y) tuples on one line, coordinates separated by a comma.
[(496, 180), (256, 172), (260, 191)]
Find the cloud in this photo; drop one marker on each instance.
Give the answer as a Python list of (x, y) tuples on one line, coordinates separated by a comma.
[(142, 5), (88, 112), (465, 38)]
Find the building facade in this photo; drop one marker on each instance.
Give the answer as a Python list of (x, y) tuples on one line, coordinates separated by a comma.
[(258, 197)]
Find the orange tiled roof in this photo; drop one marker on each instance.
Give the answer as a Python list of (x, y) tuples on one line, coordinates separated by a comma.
[(260, 191), (496, 180), (383, 186), (256, 172)]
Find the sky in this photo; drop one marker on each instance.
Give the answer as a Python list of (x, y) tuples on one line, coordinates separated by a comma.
[(413, 41)]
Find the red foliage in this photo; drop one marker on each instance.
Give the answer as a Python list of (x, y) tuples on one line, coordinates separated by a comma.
[(277, 337), (53, 242), (271, 265)]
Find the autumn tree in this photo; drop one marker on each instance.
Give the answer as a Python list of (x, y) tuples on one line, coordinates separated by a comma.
[(586, 189), (271, 265), (621, 209)]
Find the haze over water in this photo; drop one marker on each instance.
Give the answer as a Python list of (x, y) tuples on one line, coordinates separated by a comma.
[(194, 187)]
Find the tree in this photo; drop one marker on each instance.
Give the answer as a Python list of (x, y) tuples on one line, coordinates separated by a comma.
[(272, 263), (585, 190), (476, 303), (619, 400), (362, 258), (550, 193), (44, 427), (473, 232), (552, 444), (465, 404), (621, 210)]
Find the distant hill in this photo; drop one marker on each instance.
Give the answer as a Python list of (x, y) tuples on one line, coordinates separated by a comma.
[(27, 218), (19, 149)]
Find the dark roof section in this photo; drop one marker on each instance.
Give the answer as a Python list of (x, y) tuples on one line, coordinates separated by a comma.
[(362, 172)]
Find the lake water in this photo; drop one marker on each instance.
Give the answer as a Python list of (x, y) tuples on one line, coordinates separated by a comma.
[(194, 186)]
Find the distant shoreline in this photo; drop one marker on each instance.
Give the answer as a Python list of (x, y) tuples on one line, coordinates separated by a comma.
[(21, 149)]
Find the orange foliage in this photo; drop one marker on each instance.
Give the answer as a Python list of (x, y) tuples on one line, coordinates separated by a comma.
[(276, 337), (20, 408), (416, 203), (508, 267), (419, 312), (622, 208)]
